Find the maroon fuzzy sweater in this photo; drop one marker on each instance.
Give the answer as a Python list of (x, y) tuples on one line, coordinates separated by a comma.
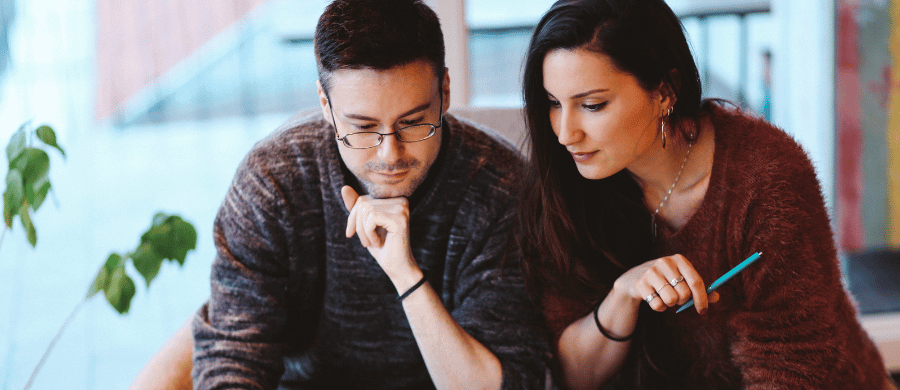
[(786, 322)]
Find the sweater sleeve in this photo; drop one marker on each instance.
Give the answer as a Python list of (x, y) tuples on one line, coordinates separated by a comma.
[(795, 326), (239, 334), (494, 308)]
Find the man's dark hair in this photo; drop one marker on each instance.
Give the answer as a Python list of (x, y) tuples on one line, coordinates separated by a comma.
[(377, 34)]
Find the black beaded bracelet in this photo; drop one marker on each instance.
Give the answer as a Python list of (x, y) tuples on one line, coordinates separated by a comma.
[(607, 335), (413, 288)]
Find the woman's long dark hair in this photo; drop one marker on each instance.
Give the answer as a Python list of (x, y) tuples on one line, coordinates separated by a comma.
[(579, 235)]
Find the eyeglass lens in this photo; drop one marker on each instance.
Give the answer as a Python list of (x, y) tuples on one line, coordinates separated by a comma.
[(413, 133)]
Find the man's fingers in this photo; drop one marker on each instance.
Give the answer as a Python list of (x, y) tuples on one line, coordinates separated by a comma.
[(350, 196), (373, 219), (713, 297), (369, 226), (376, 228), (359, 224)]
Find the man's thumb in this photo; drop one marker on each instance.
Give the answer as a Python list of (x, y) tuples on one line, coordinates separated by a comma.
[(349, 195)]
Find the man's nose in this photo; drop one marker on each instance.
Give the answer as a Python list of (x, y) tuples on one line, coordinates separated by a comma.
[(391, 149)]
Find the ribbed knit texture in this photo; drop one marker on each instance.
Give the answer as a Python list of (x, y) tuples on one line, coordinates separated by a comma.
[(287, 283), (786, 322)]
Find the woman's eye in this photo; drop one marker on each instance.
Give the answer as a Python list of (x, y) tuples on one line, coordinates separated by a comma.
[(594, 107), (554, 103), (364, 127)]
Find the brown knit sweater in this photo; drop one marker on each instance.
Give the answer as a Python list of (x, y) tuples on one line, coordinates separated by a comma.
[(786, 322)]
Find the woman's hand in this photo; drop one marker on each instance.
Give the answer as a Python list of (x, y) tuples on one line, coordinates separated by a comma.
[(665, 282)]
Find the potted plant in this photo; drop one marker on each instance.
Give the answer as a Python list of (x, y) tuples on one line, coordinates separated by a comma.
[(169, 237)]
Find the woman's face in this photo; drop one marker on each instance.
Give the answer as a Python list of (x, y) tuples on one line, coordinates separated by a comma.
[(602, 115)]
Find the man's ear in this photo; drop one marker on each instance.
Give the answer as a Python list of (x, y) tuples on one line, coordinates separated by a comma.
[(446, 91), (323, 101)]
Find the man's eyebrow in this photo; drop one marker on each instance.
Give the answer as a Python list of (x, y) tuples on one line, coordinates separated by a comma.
[(417, 109)]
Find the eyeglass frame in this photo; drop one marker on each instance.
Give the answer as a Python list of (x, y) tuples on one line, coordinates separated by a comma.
[(395, 133)]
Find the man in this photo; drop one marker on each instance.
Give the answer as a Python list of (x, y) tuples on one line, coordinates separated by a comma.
[(366, 246)]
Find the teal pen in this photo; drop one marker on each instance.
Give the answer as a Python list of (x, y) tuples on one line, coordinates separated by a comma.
[(720, 281)]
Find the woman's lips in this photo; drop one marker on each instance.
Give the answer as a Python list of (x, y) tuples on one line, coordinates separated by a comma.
[(582, 156)]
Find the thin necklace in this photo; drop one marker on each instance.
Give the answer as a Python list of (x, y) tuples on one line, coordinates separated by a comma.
[(666, 198)]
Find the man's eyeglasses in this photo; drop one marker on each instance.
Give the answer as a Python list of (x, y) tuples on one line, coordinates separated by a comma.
[(371, 139)]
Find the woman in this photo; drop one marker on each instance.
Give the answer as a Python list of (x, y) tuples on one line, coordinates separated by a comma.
[(640, 194)]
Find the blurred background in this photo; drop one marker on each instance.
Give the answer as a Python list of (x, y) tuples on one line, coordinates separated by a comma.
[(157, 101)]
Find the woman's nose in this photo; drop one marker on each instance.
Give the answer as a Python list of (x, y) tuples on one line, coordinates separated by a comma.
[(568, 128)]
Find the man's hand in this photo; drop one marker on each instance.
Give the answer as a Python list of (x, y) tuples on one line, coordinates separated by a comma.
[(383, 227), (453, 357)]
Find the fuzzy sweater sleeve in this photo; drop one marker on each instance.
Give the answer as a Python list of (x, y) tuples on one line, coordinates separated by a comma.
[(239, 333), (797, 328)]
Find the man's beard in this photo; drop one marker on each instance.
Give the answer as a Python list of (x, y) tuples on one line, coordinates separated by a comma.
[(380, 191)]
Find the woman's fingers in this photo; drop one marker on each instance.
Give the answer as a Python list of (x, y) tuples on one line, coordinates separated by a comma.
[(652, 297), (695, 284), (657, 278), (672, 281), (684, 292)]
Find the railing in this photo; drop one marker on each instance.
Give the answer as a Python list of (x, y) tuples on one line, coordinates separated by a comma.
[(702, 11)]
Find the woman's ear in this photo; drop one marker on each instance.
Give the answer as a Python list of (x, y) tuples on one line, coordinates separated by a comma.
[(664, 98), (667, 89)]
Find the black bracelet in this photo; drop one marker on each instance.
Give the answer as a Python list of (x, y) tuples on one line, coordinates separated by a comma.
[(607, 335), (413, 288)]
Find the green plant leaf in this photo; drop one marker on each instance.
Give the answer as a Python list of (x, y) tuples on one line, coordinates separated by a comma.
[(40, 195), (160, 236), (159, 219), (16, 145), (185, 238), (14, 186), (48, 136), (35, 167), (120, 289), (100, 282), (147, 262), (33, 163), (114, 261), (171, 237), (28, 225), (36, 189), (7, 211), (13, 196)]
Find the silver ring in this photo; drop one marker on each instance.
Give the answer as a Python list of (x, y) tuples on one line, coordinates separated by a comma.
[(651, 297), (675, 281), (663, 286)]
